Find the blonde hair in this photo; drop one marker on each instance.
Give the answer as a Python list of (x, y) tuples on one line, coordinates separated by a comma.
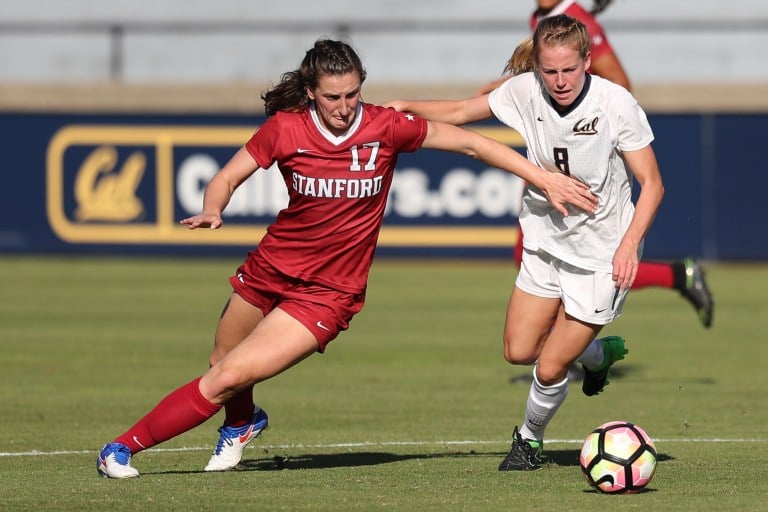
[(560, 30), (522, 60)]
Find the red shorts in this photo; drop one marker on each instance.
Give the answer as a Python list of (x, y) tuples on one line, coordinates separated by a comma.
[(324, 311)]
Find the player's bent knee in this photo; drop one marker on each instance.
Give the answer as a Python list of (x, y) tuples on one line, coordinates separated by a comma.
[(514, 356), (223, 382), (550, 375)]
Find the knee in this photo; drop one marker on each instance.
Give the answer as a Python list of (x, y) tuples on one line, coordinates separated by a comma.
[(515, 354), (549, 375), (513, 357), (221, 382)]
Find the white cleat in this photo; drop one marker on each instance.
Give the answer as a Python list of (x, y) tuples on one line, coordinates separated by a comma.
[(114, 461), (233, 440)]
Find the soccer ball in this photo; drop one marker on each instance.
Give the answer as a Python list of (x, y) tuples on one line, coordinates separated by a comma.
[(618, 458)]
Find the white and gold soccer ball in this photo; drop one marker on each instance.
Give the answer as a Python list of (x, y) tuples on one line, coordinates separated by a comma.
[(618, 458)]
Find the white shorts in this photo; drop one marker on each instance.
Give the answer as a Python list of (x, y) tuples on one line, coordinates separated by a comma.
[(587, 295)]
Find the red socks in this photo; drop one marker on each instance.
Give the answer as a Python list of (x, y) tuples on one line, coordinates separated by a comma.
[(180, 411), (239, 409), (654, 274)]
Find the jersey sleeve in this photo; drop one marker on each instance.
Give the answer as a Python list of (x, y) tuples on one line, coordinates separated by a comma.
[(633, 129), (506, 101), (263, 142), (409, 132), (600, 44)]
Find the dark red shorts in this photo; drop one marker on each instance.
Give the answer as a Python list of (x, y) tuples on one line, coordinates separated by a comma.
[(324, 311)]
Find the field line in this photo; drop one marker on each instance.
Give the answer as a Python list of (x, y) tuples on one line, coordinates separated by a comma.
[(550, 442)]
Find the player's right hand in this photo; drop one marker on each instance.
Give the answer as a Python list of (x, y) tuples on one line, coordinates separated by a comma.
[(203, 220)]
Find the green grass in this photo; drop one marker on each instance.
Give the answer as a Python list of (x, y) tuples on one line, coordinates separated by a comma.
[(411, 409)]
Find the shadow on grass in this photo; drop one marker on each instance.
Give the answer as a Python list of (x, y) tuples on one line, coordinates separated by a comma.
[(641, 491), (338, 460), (564, 458), (561, 458)]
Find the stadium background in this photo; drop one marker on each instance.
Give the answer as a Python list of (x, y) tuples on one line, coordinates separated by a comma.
[(113, 115)]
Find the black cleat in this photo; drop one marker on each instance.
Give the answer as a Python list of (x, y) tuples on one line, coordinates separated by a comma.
[(695, 290), (596, 380), (525, 454)]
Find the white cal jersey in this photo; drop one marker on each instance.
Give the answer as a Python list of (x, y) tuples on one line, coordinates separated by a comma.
[(587, 142)]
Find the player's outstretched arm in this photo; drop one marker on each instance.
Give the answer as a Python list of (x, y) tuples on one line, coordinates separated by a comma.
[(219, 190), (456, 112), (560, 189)]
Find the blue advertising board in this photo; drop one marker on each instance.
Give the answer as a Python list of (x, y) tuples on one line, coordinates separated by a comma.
[(110, 184)]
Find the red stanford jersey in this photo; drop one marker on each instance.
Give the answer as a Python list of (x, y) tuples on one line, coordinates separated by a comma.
[(337, 188), (600, 45)]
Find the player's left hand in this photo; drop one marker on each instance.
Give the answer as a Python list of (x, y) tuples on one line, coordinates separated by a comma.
[(561, 190), (625, 265)]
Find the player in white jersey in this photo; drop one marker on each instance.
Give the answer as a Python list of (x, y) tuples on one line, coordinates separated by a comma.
[(686, 275), (576, 268), (587, 141)]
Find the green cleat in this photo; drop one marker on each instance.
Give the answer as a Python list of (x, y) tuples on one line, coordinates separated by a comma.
[(595, 380)]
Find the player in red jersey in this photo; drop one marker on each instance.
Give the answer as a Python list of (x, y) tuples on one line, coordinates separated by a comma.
[(308, 276), (686, 276)]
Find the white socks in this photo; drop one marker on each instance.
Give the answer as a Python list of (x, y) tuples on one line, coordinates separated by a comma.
[(543, 402)]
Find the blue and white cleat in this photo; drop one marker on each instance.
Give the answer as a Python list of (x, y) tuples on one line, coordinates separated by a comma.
[(233, 440), (114, 461)]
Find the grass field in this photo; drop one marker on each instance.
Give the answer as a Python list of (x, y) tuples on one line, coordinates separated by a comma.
[(412, 409)]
